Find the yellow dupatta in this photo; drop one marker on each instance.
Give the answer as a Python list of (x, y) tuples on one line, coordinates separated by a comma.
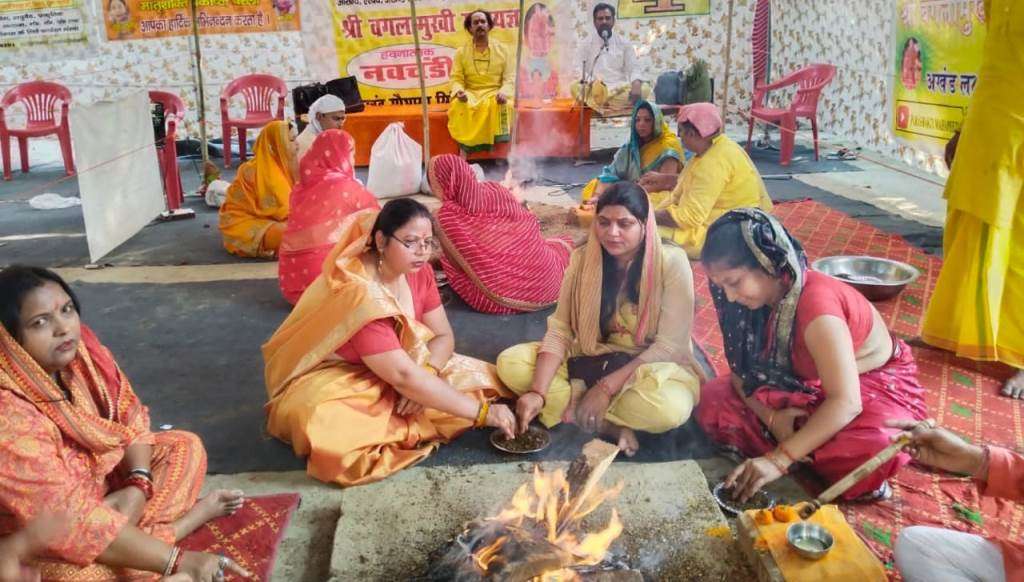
[(578, 317), (258, 197)]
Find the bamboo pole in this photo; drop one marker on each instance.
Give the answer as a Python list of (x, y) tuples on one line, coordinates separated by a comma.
[(728, 63), (203, 144), (515, 91), (423, 87)]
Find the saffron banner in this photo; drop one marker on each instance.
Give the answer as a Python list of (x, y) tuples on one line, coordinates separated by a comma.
[(136, 19)]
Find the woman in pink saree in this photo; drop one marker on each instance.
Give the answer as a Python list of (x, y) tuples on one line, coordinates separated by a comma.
[(495, 257), (327, 192)]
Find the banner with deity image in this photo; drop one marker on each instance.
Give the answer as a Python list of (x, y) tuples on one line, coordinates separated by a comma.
[(375, 44), (136, 19), (937, 48)]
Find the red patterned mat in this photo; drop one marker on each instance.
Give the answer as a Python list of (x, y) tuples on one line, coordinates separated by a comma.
[(961, 395), (251, 536)]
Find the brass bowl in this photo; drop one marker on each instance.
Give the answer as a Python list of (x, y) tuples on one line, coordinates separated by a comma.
[(876, 278), (810, 540)]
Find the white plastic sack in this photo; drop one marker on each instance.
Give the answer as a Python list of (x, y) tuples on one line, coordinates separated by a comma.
[(396, 163), (51, 201), (216, 193), (478, 171)]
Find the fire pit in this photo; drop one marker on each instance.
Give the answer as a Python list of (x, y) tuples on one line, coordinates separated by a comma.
[(642, 521)]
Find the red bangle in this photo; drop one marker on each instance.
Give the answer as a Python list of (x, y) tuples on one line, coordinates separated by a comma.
[(789, 457), (778, 464), (140, 483)]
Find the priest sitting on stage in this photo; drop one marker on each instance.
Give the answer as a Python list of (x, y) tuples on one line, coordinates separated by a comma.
[(610, 67), (482, 86)]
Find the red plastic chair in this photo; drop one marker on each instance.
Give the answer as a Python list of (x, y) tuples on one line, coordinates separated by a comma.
[(810, 81), (40, 99), (174, 113), (258, 91)]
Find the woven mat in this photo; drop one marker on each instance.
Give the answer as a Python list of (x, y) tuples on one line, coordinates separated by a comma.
[(554, 221), (961, 395), (251, 536)]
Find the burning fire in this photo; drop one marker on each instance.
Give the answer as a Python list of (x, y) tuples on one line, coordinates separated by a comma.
[(548, 507)]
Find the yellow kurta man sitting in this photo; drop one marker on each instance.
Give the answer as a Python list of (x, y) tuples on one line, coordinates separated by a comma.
[(481, 84), (720, 177)]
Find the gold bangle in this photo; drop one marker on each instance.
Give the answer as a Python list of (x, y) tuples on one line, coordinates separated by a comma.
[(430, 368), (481, 415)]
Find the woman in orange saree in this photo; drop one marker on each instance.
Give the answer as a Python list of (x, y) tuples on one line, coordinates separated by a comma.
[(327, 192), (361, 377), (74, 437), (253, 215)]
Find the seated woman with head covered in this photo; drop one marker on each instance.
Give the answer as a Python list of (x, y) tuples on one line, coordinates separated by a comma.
[(76, 439), (622, 328), (815, 371), (495, 256), (361, 376), (252, 218), (326, 194), (652, 147)]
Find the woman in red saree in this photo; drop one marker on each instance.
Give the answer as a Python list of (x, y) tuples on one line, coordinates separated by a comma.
[(326, 194), (495, 257), (74, 437), (815, 373)]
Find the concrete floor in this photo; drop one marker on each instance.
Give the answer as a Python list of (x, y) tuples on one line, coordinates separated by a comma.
[(186, 320)]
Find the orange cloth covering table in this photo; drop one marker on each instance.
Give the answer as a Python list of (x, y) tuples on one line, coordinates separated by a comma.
[(546, 129), (849, 560)]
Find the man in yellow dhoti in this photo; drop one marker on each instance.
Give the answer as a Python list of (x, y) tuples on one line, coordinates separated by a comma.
[(610, 67), (481, 84), (976, 309)]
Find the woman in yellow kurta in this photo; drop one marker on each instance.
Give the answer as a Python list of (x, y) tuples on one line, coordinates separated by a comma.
[(719, 178), (621, 329), (361, 376), (652, 147), (482, 81), (253, 217), (977, 309)]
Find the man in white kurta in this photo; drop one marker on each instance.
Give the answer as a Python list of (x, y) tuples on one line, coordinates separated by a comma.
[(611, 68)]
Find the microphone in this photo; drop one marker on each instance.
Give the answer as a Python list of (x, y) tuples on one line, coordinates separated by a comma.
[(605, 34)]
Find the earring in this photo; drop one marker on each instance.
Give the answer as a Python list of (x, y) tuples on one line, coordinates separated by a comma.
[(380, 261)]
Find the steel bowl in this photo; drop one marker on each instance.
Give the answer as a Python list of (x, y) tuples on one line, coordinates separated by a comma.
[(540, 435), (877, 279), (810, 540)]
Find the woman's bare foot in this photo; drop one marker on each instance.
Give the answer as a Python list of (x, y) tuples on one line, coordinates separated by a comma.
[(1014, 387), (218, 503), (575, 392), (628, 442)]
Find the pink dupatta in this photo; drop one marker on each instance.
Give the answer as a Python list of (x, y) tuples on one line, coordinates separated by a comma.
[(327, 193)]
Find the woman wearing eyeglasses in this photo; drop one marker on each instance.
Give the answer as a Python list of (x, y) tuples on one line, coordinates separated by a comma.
[(361, 377)]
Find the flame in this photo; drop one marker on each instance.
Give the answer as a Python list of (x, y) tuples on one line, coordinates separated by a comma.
[(485, 556), (545, 505)]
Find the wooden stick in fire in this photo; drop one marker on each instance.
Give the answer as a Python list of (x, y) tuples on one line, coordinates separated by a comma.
[(856, 475)]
